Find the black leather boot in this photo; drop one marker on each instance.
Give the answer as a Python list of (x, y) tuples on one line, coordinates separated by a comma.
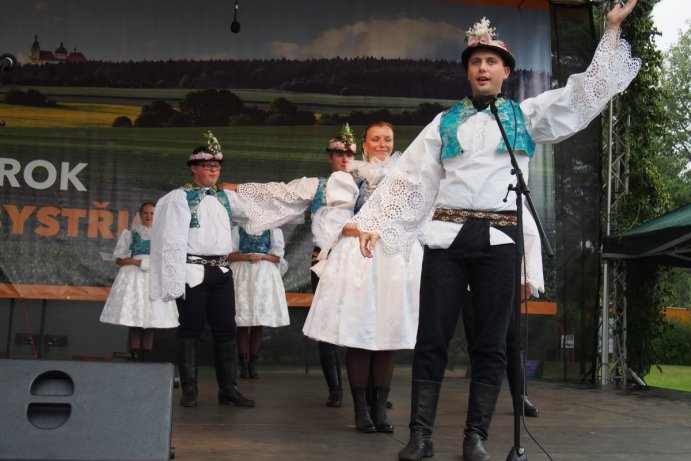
[(363, 420), (226, 356), (244, 367), (187, 366), (528, 408), (251, 367), (423, 411), (332, 373), (481, 403), (381, 422), (517, 383)]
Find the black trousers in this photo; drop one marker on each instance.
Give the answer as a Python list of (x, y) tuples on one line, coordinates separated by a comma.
[(213, 301), (490, 271)]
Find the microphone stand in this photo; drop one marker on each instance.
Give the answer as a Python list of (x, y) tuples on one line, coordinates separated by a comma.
[(517, 453)]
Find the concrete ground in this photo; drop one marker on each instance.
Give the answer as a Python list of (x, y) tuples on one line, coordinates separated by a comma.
[(290, 421)]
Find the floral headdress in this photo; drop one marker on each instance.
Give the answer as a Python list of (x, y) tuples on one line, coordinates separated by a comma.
[(212, 150), (481, 35), (345, 142)]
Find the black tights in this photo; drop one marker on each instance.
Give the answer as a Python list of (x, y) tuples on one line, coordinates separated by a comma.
[(367, 368), (249, 340), (141, 338)]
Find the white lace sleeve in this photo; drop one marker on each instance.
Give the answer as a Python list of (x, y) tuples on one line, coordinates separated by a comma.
[(341, 193), (169, 247), (404, 198), (268, 205), (531, 271), (555, 115)]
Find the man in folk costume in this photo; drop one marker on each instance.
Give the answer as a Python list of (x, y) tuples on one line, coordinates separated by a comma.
[(190, 243), (457, 170)]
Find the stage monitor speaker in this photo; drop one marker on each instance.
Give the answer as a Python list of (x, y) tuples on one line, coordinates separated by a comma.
[(58, 410)]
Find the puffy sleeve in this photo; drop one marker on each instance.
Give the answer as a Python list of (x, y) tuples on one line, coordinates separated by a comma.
[(235, 236), (327, 222), (531, 271), (122, 248), (169, 247), (269, 205), (404, 198), (278, 249), (556, 115)]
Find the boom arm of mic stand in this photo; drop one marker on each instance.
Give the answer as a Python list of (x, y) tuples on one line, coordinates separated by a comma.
[(521, 183)]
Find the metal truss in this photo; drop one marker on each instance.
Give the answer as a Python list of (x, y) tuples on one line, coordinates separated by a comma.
[(612, 366)]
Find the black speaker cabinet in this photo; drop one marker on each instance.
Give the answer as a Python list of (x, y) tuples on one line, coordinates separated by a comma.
[(58, 410)]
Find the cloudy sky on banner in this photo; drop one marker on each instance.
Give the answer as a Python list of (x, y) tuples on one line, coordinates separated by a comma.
[(181, 29)]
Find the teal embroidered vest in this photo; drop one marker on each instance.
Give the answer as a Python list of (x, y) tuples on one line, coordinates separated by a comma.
[(255, 243), (139, 246), (511, 118), (319, 196), (195, 195)]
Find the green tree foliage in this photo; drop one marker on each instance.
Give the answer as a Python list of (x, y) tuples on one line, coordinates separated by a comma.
[(29, 97), (676, 99), (674, 345), (156, 114), (122, 122), (211, 107), (646, 284), (284, 112)]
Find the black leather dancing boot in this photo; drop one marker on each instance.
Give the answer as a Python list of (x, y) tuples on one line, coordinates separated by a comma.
[(332, 373), (481, 403), (423, 411), (381, 422), (363, 420), (187, 366), (226, 356), (251, 367), (244, 367), (528, 408), (518, 388)]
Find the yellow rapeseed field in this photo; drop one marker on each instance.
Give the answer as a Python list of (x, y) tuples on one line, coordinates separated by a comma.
[(67, 115)]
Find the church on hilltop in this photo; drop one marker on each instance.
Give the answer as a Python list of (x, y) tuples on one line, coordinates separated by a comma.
[(39, 56)]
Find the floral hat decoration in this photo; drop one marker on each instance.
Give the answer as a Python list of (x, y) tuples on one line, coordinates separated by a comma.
[(211, 151), (345, 142), (481, 35)]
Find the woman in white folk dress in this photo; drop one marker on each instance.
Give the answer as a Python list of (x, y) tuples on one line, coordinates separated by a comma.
[(368, 305), (128, 302), (260, 298)]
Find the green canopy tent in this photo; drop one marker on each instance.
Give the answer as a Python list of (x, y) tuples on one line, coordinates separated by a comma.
[(664, 240)]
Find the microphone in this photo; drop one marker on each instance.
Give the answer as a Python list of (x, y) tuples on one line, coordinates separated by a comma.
[(7, 61), (235, 25)]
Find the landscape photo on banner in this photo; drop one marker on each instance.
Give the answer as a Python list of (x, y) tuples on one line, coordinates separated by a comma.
[(73, 170)]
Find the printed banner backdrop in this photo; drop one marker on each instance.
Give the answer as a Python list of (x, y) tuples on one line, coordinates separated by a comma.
[(71, 181)]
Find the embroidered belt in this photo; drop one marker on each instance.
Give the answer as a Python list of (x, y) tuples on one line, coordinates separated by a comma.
[(213, 261), (496, 219)]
